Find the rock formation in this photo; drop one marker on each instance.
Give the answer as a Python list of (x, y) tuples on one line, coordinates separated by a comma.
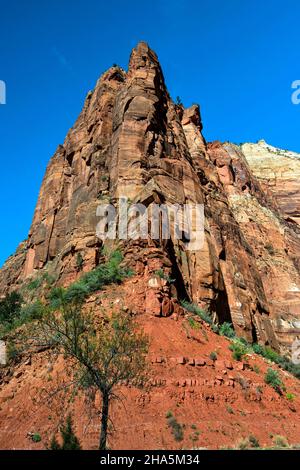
[(131, 140)]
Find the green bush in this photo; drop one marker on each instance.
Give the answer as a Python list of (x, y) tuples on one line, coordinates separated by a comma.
[(280, 442), (40, 280), (26, 314), (244, 342), (50, 280), (36, 437), (176, 428), (193, 324), (229, 410), (10, 307), (213, 356), (35, 283), (290, 396), (243, 444), (250, 442), (54, 445), (160, 273), (258, 349), (69, 439), (192, 308), (270, 249), (215, 328), (79, 261), (272, 378), (31, 312), (226, 330), (56, 296), (289, 366), (107, 273)]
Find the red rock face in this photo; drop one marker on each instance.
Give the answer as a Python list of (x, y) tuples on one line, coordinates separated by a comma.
[(218, 402), (132, 140)]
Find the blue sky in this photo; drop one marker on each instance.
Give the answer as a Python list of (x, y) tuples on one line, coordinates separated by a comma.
[(237, 58)]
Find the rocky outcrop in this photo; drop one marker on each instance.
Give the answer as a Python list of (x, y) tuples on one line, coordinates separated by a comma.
[(132, 141), (274, 241)]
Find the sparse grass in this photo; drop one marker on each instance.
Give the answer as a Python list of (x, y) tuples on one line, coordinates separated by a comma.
[(280, 441), (13, 314), (240, 346), (12, 352)]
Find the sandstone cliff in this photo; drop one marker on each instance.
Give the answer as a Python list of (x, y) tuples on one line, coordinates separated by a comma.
[(132, 140)]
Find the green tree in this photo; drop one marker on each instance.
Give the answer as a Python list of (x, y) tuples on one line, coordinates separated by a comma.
[(103, 356)]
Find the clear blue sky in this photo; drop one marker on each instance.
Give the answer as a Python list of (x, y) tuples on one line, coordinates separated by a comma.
[(237, 58)]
